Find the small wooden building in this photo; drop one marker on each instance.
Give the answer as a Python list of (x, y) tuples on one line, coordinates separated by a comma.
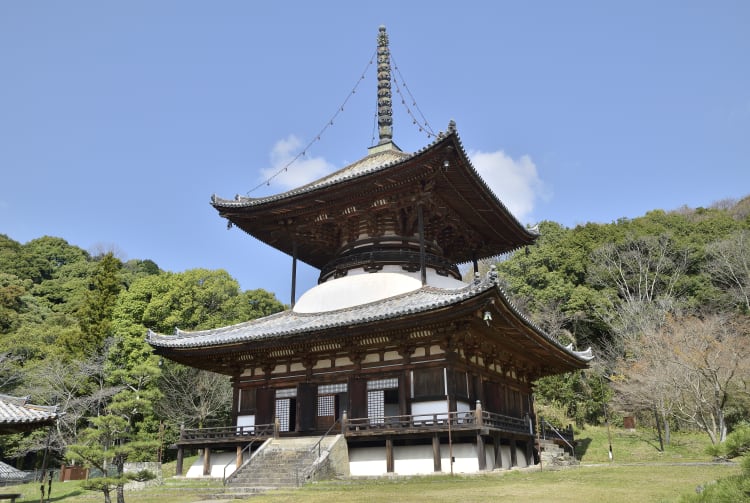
[(420, 370)]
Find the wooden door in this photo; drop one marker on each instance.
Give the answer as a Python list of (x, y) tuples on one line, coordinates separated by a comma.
[(265, 402)]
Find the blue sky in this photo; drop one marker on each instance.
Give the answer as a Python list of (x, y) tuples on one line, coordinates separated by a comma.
[(119, 120)]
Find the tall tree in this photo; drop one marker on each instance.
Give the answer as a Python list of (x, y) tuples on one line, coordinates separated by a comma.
[(697, 365), (193, 398), (95, 315), (729, 266)]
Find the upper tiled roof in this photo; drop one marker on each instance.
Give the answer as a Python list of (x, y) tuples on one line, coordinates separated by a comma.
[(16, 411), (368, 164)]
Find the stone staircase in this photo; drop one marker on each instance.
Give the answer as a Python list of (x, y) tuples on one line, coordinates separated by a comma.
[(554, 455), (281, 463)]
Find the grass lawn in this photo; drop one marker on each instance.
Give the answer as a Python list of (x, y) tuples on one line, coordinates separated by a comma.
[(639, 473)]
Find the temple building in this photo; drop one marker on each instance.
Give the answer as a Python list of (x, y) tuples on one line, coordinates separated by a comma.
[(414, 369)]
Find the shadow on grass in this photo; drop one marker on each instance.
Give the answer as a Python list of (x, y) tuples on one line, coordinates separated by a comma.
[(64, 497), (582, 445), (652, 442)]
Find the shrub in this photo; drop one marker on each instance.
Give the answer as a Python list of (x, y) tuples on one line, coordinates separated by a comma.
[(738, 442)]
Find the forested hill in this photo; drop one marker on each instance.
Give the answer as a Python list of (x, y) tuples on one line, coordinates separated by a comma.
[(72, 329), (72, 323), (664, 300)]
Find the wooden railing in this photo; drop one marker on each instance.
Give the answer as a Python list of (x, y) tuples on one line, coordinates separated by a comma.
[(468, 420), (507, 423), (549, 431), (232, 433), (415, 423)]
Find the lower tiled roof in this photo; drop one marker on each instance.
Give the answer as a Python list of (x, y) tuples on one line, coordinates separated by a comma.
[(290, 323)]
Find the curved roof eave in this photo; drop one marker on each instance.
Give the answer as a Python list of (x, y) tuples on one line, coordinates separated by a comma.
[(290, 324), (353, 171)]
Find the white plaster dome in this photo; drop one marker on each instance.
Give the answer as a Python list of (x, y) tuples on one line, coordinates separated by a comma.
[(360, 287)]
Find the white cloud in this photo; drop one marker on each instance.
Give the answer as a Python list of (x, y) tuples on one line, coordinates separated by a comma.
[(301, 171), (514, 181)]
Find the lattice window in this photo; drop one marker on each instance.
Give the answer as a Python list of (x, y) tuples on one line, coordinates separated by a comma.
[(332, 389), (282, 413), (382, 383), (286, 393), (376, 406), (327, 405)]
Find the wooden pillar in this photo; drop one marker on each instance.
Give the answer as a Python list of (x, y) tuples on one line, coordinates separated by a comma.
[(238, 461), (498, 451), (404, 393), (206, 461), (436, 460), (178, 465), (529, 452), (481, 456), (513, 455), (389, 455), (294, 273), (422, 257)]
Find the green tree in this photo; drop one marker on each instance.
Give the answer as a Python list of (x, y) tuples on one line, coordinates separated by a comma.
[(108, 442), (95, 315)]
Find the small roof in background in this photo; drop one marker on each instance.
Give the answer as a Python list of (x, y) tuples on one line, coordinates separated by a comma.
[(17, 415), (10, 475)]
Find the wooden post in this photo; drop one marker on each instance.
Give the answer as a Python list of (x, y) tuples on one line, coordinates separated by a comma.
[(178, 464), (344, 419), (206, 461), (513, 454), (539, 441), (530, 452), (180, 453), (422, 257), (239, 456), (436, 461), (276, 428), (294, 273), (478, 414), (389, 455), (498, 451), (481, 456)]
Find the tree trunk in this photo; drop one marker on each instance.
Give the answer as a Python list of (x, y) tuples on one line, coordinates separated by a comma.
[(120, 485), (658, 429), (105, 490)]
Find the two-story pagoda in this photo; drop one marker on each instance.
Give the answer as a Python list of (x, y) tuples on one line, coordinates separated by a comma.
[(420, 370)]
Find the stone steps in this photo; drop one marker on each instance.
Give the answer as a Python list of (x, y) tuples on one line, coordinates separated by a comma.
[(282, 463), (554, 455)]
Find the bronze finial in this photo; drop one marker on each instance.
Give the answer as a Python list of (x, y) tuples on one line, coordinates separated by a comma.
[(385, 111)]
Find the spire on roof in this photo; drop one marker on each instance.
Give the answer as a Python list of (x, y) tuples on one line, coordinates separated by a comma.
[(385, 111)]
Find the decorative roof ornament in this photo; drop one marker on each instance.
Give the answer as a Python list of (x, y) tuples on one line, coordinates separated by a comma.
[(492, 275), (385, 108)]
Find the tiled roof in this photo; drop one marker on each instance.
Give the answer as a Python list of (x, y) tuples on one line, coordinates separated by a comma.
[(370, 163), (290, 323), (9, 474), (17, 411)]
